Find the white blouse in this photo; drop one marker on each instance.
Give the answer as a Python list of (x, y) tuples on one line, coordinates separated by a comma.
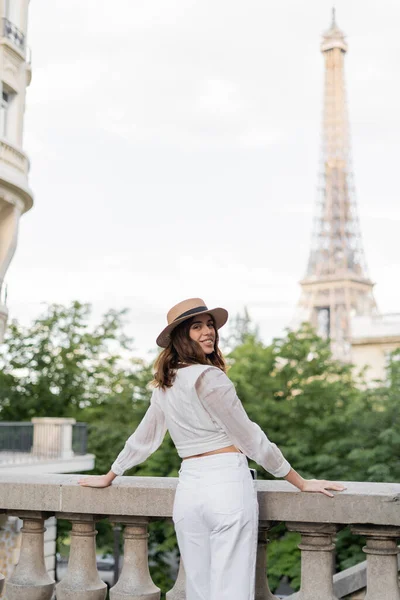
[(202, 412)]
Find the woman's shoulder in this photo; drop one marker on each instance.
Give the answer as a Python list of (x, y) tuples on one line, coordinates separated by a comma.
[(191, 373), (205, 377), (192, 370)]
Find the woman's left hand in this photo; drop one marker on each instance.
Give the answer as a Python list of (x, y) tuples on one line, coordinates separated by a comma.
[(97, 481), (322, 486)]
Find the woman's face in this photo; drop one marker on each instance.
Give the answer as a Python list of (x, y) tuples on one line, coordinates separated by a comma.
[(202, 330)]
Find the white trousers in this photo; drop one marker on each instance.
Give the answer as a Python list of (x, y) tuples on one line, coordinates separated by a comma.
[(216, 523)]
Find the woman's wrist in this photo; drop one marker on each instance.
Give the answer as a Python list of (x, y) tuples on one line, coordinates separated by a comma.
[(110, 476), (295, 479)]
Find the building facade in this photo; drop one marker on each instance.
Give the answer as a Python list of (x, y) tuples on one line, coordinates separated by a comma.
[(373, 340), (15, 75)]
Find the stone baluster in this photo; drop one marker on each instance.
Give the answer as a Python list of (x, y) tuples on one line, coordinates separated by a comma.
[(178, 592), (30, 580), (82, 581), (262, 588), (317, 549), (1, 582), (381, 550), (135, 582)]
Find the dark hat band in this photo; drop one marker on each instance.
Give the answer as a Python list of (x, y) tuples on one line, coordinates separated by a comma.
[(192, 311)]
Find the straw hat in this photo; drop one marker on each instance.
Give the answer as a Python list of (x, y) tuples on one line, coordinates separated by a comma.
[(186, 310)]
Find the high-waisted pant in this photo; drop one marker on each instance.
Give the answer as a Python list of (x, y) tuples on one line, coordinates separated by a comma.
[(216, 523)]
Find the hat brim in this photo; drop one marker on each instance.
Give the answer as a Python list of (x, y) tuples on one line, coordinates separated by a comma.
[(220, 316)]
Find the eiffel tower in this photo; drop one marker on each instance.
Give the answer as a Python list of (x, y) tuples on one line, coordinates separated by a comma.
[(336, 285)]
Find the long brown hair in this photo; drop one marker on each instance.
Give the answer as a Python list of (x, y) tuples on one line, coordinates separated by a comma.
[(181, 352)]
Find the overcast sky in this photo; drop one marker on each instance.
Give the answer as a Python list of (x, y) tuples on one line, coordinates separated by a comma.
[(174, 153)]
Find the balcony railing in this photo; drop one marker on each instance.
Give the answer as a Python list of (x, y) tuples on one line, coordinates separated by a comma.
[(11, 32), (16, 437), (42, 439), (79, 438), (367, 509), (13, 157)]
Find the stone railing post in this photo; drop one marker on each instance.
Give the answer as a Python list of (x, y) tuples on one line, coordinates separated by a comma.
[(262, 588), (52, 437), (317, 549), (30, 580), (82, 581), (382, 570), (178, 592), (134, 582)]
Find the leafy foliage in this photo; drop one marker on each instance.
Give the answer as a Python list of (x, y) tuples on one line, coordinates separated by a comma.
[(284, 558), (300, 396), (58, 366)]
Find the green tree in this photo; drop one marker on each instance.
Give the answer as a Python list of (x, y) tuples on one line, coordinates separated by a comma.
[(376, 426), (300, 397), (60, 365)]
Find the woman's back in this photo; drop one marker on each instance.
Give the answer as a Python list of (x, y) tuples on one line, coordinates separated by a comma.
[(191, 427)]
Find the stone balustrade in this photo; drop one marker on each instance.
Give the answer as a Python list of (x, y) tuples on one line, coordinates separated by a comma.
[(369, 509), (13, 157)]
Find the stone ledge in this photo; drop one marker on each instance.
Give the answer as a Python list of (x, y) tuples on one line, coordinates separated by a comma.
[(28, 464), (373, 503)]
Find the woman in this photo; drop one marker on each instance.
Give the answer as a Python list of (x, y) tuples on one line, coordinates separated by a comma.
[(215, 510)]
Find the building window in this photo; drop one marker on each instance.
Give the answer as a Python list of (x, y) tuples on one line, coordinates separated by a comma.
[(4, 106)]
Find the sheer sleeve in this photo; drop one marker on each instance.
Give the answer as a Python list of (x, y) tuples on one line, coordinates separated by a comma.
[(145, 440), (218, 396)]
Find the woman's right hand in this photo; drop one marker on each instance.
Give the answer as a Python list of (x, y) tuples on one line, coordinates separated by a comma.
[(313, 485), (322, 486), (97, 481)]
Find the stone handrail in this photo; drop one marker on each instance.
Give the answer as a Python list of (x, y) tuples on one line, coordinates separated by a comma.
[(370, 509)]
